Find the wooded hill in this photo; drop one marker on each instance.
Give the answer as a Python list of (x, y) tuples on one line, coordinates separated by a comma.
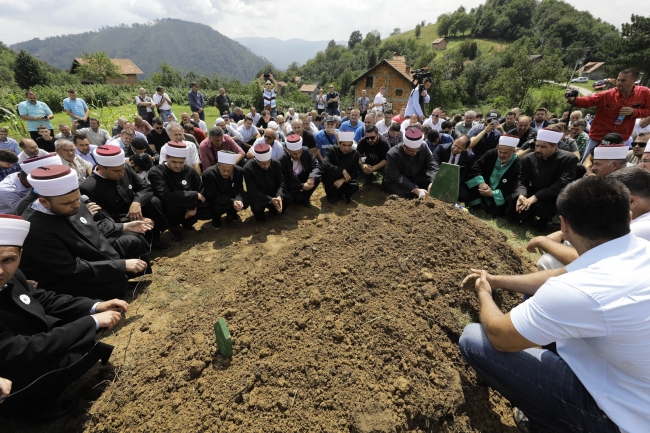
[(187, 46)]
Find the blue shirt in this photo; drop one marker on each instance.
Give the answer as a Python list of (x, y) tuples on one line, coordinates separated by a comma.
[(445, 138), (88, 157), (10, 144), (322, 143), (77, 107), (347, 126), (4, 172), (39, 109), (360, 133)]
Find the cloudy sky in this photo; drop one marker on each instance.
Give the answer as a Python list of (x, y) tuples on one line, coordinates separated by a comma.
[(283, 19)]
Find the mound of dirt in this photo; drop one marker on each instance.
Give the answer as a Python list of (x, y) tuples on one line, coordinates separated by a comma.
[(353, 328)]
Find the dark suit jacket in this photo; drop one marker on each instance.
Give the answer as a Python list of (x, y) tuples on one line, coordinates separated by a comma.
[(115, 196), (222, 192), (404, 170), (263, 185), (37, 335), (64, 252), (310, 168), (335, 162), (442, 153), (545, 179), (168, 186)]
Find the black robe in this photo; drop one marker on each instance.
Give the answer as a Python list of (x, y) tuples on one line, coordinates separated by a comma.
[(404, 173), (68, 255), (333, 165), (222, 193), (310, 169), (263, 185), (41, 331), (484, 167)]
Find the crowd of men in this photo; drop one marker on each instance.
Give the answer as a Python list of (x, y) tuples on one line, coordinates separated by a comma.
[(82, 209)]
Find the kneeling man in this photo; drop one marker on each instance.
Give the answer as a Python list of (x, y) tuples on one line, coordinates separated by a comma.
[(223, 186), (300, 170)]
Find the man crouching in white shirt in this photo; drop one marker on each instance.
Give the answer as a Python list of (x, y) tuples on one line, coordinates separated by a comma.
[(595, 310)]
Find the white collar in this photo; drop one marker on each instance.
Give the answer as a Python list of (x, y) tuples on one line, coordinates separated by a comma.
[(37, 206), (609, 249)]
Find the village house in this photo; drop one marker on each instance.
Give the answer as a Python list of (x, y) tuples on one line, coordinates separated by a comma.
[(128, 69), (439, 44)]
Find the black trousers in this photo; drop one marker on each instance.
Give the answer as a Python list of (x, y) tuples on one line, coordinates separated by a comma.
[(154, 211), (347, 189), (305, 196), (219, 210), (421, 182), (258, 207), (27, 398), (176, 215)]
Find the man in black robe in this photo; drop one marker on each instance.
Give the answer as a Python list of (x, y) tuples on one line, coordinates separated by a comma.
[(410, 167), (265, 183), (41, 331), (65, 250), (493, 178), (179, 187), (300, 170), (124, 195), (341, 169), (542, 177), (223, 186)]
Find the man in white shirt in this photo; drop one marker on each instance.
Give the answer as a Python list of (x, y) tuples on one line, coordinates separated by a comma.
[(380, 99), (96, 135), (596, 312), (163, 102), (30, 149), (637, 180), (176, 134), (641, 125), (384, 124), (434, 121), (269, 138), (249, 132)]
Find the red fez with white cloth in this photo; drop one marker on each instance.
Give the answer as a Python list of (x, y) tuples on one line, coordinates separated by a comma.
[(549, 136), (176, 149), (413, 138), (227, 157), (109, 156), (294, 142), (13, 230), (509, 140), (53, 180), (262, 152)]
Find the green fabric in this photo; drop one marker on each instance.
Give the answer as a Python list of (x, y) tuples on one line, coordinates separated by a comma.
[(495, 178), (475, 181)]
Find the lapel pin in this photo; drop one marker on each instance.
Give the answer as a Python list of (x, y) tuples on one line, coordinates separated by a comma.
[(83, 220), (25, 299)]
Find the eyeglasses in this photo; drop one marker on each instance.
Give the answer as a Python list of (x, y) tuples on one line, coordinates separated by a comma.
[(639, 143), (435, 115), (371, 137), (645, 161)]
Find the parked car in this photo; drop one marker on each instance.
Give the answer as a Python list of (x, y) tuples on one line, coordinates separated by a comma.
[(598, 83), (580, 80)]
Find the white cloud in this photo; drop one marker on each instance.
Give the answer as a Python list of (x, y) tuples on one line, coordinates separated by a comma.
[(283, 19)]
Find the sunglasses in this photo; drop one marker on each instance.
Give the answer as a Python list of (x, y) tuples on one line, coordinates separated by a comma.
[(371, 137), (639, 143), (435, 115)]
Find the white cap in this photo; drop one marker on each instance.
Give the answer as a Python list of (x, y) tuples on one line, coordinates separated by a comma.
[(109, 156), (549, 136), (226, 157), (176, 149), (262, 152), (346, 136), (13, 230), (647, 149), (39, 161), (53, 180), (219, 121), (413, 138), (612, 151), (294, 142), (273, 125), (508, 140)]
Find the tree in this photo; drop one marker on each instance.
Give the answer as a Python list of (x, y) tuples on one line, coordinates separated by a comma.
[(633, 49), (167, 77), (396, 31), (97, 67), (444, 25), (418, 31), (372, 59), (355, 38), (28, 71)]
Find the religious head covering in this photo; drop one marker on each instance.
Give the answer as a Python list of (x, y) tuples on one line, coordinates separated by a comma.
[(39, 161), (176, 149), (273, 125), (294, 142), (610, 151), (227, 157), (647, 149), (53, 180), (549, 136), (413, 138), (612, 138), (109, 156), (262, 152), (508, 140), (13, 230), (331, 119), (347, 136), (219, 121)]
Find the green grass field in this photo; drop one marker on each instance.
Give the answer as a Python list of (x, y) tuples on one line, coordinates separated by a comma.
[(430, 32), (588, 85)]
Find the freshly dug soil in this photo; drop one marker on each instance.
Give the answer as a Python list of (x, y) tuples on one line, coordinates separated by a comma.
[(351, 325)]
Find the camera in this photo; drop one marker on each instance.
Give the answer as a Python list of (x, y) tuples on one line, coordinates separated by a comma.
[(267, 76), (571, 94), (420, 74)]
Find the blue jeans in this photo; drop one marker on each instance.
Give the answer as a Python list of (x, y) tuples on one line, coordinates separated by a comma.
[(165, 113), (538, 382)]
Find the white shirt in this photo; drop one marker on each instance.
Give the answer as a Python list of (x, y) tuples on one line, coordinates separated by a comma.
[(276, 150), (247, 134), (430, 124), (638, 129), (256, 118), (23, 156), (192, 154), (379, 102), (597, 313), (382, 128), (640, 226), (156, 98), (11, 193), (413, 104), (321, 102), (407, 123), (202, 126)]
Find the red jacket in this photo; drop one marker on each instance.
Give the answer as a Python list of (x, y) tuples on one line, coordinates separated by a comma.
[(608, 104)]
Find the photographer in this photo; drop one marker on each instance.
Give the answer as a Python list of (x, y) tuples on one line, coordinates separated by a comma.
[(485, 136), (417, 99), (617, 109), (269, 91)]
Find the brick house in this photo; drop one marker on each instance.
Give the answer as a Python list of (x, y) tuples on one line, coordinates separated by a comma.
[(128, 69), (439, 44), (393, 73)]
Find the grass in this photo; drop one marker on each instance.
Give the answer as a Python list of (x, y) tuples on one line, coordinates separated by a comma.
[(588, 85), (430, 32)]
